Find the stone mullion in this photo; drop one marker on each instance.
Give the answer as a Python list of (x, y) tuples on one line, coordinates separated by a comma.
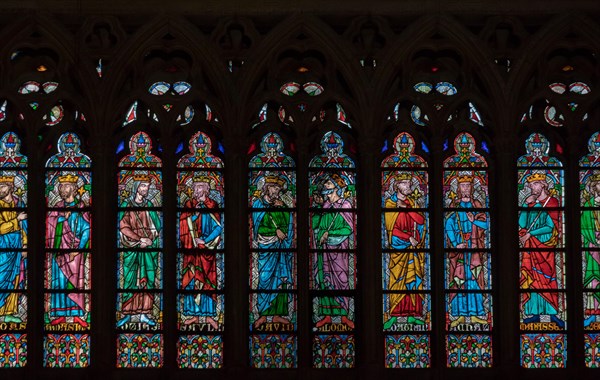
[(369, 336)]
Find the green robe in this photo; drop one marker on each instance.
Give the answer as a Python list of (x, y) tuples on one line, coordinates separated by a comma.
[(590, 224), (139, 268)]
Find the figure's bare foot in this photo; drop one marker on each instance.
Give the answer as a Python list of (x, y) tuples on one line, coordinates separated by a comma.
[(260, 321), (212, 322), (123, 320), (481, 321), (146, 319), (457, 321), (323, 322), (279, 319), (189, 321), (58, 321), (347, 322), (81, 322), (12, 319)]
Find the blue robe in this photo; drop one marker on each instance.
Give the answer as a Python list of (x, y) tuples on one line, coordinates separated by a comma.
[(459, 229), (273, 266), (12, 263)]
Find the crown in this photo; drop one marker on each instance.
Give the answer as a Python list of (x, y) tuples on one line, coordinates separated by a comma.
[(403, 176), (275, 180), (536, 177), (593, 177), (69, 178), (201, 178), (141, 177), (338, 180), (6, 179), (465, 178)]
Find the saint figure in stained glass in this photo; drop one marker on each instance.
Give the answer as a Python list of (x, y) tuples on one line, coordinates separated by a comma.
[(200, 231), (68, 229), (332, 239), (200, 263), (13, 254), (404, 225), (539, 229), (333, 231), (68, 263), (542, 260), (139, 228), (13, 235), (590, 233), (405, 230), (273, 230), (273, 276), (466, 228)]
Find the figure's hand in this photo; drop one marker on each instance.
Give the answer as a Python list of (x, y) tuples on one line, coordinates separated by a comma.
[(145, 242), (200, 242), (324, 237), (531, 199), (413, 241), (21, 216), (461, 245), (524, 237), (280, 235), (471, 217)]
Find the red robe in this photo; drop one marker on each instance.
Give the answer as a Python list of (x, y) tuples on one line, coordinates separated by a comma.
[(538, 268), (204, 264)]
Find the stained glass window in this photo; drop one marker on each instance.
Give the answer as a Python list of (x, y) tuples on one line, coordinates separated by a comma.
[(131, 114), (67, 269), (406, 256), (467, 261), (200, 262), (542, 303), (589, 191), (139, 311), (273, 274), (13, 252), (566, 100), (332, 252)]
